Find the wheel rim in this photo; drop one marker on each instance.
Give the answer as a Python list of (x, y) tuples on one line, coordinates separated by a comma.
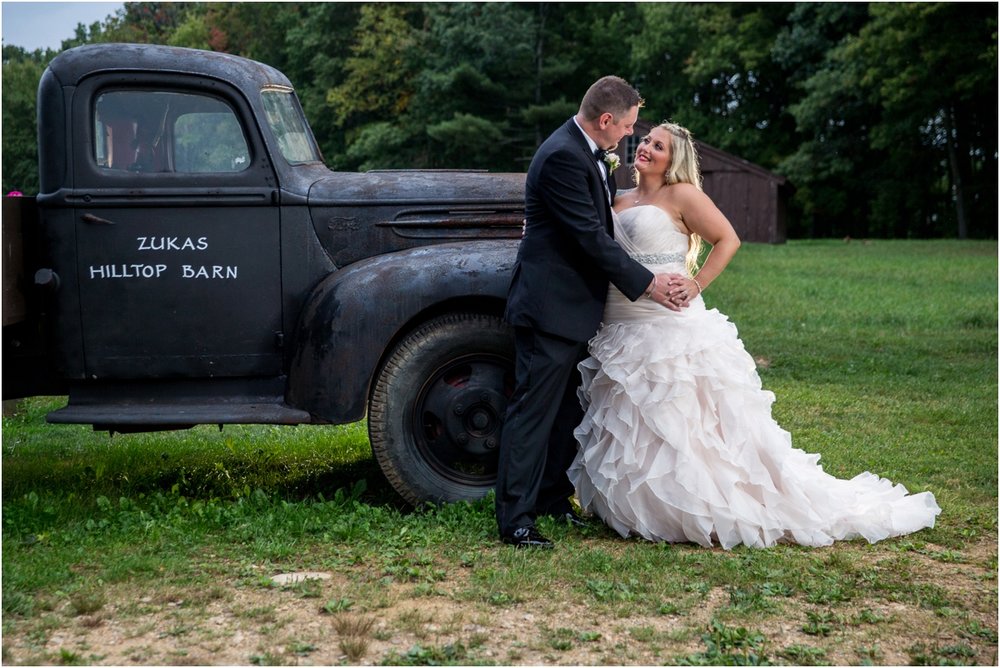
[(458, 416)]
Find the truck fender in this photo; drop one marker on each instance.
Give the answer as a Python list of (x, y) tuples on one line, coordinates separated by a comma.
[(355, 315)]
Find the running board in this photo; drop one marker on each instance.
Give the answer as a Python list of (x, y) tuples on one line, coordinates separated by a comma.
[(129, 417)]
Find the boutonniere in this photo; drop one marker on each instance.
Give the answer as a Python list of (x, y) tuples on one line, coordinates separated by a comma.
[(612, 161)]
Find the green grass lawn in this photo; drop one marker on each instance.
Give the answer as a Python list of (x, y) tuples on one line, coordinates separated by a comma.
[(883, 357)]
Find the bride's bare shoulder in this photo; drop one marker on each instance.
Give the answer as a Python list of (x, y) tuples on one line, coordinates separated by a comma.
[(680, 191), (684, 197)]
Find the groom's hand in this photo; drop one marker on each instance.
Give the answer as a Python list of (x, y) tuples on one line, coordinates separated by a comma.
[(663, 291)]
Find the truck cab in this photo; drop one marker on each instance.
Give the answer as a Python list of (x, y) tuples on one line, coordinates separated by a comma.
[(189, 259)]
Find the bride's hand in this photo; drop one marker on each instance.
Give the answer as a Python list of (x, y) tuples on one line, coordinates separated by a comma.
[(659, 291), (674, 291), (681, 290)]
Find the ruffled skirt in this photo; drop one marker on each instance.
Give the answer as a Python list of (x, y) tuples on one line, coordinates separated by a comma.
[(678, 445)]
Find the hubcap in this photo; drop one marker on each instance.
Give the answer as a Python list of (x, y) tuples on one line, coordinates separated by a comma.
[(459, 414)]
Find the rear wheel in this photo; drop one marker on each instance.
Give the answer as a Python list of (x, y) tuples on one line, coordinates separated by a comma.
[(437, 408)]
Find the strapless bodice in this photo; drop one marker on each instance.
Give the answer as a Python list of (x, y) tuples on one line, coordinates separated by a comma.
[(648, 235)]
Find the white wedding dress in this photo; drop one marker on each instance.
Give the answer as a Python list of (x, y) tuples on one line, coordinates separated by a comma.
[(678, 443)]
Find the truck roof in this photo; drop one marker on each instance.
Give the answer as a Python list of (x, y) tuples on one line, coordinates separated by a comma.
[(73, 65)]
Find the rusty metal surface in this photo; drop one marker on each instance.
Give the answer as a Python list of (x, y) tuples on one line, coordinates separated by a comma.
[(358, 215), (72, 65), (356, 315), (415, 187), (179, 403)]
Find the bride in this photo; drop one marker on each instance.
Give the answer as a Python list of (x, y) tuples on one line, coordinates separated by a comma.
[(678, 443)]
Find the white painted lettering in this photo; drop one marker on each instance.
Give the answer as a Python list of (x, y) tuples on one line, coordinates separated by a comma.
[(172, 243), (212, 272), (103, 271)]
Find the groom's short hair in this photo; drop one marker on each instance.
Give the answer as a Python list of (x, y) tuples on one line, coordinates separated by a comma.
[(609, 94)]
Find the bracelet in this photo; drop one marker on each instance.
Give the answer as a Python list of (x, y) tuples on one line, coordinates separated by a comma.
[(649, 291), (700, 289)]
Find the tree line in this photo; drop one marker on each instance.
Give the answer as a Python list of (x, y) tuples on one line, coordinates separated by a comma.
[(883, 116)]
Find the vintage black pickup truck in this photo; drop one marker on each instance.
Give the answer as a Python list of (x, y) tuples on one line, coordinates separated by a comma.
[(189, 259)]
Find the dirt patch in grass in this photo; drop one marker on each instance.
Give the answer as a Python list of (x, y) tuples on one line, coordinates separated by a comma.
[(359, 617)]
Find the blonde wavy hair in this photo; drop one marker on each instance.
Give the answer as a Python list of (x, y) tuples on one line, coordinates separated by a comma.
[(684, 168)]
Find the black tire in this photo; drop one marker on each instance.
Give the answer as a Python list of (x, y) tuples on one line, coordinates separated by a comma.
[(437, 408)]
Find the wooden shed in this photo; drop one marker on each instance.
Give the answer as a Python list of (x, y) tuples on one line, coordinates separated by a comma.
[(752, 198)]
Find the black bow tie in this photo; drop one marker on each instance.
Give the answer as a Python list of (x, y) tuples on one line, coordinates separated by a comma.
[(599, 153)]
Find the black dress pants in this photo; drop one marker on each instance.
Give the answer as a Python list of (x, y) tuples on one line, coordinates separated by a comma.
[(537, 445)]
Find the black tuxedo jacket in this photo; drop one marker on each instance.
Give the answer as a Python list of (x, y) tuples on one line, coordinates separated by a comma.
[(568, 254)]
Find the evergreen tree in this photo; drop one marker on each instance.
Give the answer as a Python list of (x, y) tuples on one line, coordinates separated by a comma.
[(472, 88)]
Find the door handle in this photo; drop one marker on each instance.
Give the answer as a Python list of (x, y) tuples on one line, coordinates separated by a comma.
[(94, 220), (48, 279)]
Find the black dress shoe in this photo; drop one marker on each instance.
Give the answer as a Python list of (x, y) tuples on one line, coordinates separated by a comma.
[(527, 537)]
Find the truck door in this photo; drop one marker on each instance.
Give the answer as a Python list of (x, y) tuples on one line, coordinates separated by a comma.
[(177, 233)]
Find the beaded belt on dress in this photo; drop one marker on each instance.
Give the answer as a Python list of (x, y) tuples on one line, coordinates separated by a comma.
[(657, 258)]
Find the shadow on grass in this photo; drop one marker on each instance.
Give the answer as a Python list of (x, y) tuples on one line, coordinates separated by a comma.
[(289, 463)]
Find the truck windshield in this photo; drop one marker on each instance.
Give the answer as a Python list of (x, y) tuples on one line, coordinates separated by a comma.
[(289, 126)]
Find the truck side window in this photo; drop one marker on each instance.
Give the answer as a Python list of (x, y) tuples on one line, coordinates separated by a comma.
[(164, 131)]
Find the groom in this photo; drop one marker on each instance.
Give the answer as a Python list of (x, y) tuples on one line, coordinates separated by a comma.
[(556, 300)]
